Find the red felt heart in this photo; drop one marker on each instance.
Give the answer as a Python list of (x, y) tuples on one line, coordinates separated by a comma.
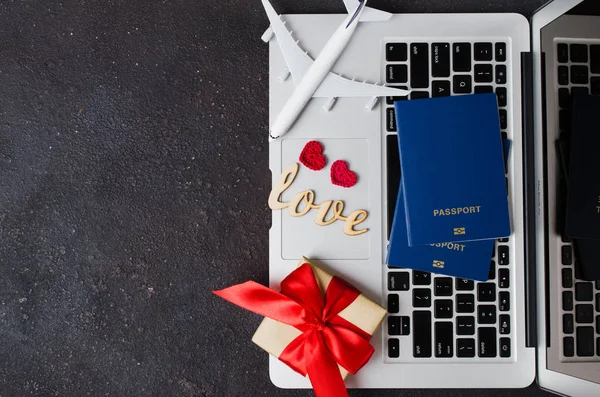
[(341, 174), (312, 156)]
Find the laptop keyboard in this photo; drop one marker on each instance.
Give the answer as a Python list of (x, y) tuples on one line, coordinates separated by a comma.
[(578, 72), (433, 316)]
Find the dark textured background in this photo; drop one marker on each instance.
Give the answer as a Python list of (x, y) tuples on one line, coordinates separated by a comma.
[(133, 180)]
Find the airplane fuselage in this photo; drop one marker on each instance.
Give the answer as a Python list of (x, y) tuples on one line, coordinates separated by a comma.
[(314, 77)]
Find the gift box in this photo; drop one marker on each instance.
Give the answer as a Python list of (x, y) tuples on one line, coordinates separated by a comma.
[(318, 324)]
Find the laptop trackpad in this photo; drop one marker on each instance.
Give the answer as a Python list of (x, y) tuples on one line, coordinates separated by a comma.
[(301, 236)]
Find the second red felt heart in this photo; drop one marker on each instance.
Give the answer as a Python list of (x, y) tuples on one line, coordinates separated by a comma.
[(312, 156), (341, 174)]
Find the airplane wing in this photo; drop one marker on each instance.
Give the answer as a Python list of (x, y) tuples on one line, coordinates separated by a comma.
[(369, 14), (336, 86), (298, 61)]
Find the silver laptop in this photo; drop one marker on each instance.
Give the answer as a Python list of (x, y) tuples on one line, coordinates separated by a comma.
[(441, 332), (566, 44)]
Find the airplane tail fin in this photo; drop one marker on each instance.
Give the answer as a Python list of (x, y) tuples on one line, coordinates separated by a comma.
[(369, 14)]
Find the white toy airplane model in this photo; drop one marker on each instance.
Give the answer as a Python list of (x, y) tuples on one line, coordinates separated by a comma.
[(313, 78)]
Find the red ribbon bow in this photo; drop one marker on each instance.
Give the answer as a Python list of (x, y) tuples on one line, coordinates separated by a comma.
[(326, 340)]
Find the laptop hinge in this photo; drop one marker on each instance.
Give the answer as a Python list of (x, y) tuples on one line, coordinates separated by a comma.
[(529, 198)]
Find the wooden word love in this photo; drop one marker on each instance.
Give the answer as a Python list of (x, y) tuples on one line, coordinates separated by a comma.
[(307, 198)]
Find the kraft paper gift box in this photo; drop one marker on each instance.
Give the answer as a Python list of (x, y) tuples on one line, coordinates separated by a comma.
[(273, 336)]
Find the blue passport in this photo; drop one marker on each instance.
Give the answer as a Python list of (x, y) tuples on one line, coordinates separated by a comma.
[(470, 260), (451, 156)]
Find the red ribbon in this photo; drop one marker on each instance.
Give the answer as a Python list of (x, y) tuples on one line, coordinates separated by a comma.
[(326, 340)]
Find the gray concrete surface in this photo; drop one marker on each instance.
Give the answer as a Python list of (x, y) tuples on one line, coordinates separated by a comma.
[(133, 180)]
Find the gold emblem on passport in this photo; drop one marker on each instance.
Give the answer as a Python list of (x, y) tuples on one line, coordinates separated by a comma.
[(438, 264), (460, 231)]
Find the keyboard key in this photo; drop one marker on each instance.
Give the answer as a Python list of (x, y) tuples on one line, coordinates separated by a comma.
[(584, 292), (396, 74), (598, 325), (503, 255), (465, 325), (595, 61), (398, 281), (567, 255), (422, 333), (484, 73), (405, 325), (586, 341), (443, 286), (421, 278), (419, 95), (598, 307), (465, 303), (483, 89), (391, 99), (419, 65), (399, 325), (562, 53), (486, 292), (444, 338), (579, 75), (465, 347), (579, 53), (568, 323), (443, 308), (393, 348), (393, 325), (396, 52), (504, 347), (392, 156), (502, 96), (390, 120), (461, 60), (493, 250), (486, 314), (500, 74), (563, 75), (584, 314), (487, 341), (504, 322), (503, 278), (440, 60), (595, 83), (503, 119), (564, 98), (567, 278), (393, 303), (440, 89), (492, 271), (421, 297), (464, 284), (504, 301), (500, 52), (568, 346), (483, 52), (567, 301)]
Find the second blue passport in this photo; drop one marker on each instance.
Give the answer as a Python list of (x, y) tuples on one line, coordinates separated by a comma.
[(470, 260), (452, 165)]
